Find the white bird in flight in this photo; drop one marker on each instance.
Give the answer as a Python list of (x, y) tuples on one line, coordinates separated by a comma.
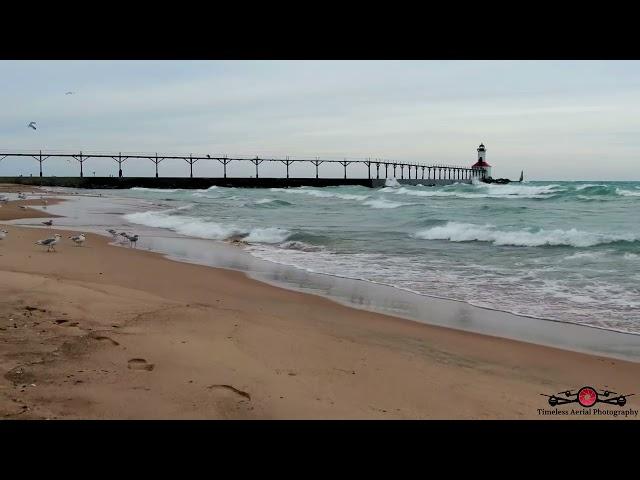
[(32, 125)]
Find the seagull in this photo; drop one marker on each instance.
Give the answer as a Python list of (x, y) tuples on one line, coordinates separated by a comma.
[(208, 156), (70, 93), (3, 233), (22, 196), (48, 223), (112, 232), (49, 242), (78, 239), (132, 239), (32, 125)]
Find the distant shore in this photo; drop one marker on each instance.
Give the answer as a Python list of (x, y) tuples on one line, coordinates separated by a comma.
[(101, 332)]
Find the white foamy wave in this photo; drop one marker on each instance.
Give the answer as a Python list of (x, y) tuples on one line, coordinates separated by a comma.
[(203, 190), (631, 256), (265, 200), (301, 246), (391, 182), (592, 199), (627, 193), (467, 232), (206, 228), (382, 203), (320, 194), (584, 256), (486, 191), (267, 235), (589, 185), (155, 190), (185, 225)]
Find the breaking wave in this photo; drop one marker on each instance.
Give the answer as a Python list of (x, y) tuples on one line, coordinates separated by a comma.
[(207, 228), (321, 194), (383, 203), (467, 232), (158, 190)]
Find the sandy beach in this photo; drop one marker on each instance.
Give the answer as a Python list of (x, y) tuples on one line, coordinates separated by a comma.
[(107, 332)]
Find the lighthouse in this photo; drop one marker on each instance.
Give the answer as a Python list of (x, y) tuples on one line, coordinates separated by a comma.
[(482, 164)]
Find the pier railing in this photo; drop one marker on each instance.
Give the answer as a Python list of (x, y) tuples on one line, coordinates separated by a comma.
[(390, 167)]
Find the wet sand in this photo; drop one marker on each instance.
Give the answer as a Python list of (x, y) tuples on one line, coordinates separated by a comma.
[(105, 332)]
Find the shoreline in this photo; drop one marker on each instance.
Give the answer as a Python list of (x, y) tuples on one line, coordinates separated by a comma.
[(371, 296), (289, 354)]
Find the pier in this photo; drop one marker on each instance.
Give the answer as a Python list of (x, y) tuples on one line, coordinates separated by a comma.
[(378, 170)]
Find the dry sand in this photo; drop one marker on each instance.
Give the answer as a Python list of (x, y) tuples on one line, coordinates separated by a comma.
[(106, 332)]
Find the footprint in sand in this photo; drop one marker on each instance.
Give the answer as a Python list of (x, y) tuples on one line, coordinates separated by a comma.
[(232, 389), (102, 338), (140, 364)]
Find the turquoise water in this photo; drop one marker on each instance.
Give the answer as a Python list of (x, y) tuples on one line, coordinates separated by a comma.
[(567, 251)]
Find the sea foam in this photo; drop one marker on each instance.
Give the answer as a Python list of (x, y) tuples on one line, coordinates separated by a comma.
[(467, 232), (206, 228)]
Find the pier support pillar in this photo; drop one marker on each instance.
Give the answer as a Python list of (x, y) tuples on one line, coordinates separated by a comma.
[(224, 160), (120, 160), (377, 170), (81, 158), (190, 161), (156, 160), (40, 159), (316, 162), (344, 164), (288, 162), (256, 161)]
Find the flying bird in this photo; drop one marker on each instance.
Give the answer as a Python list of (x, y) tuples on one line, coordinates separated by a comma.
[(78, 239), (32, 125), (50, 243), (70, 93), (48, 223)]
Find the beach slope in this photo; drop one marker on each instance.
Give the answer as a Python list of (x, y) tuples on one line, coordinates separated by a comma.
[(107, 332)]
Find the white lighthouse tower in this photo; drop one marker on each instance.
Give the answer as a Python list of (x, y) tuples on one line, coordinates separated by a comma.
[(482, 164)]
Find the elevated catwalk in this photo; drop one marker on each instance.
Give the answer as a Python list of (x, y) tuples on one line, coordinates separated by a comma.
[(202, 183)]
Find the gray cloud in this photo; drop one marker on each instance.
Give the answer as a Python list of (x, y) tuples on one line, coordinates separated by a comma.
[(547, 118)]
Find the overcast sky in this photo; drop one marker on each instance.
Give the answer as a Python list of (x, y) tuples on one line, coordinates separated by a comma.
[(553, 119)]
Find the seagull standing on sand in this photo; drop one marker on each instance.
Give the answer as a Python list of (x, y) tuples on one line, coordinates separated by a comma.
[(132, 240), (32, 125), (50, 243), (124, 236), (78, 239), (3, 234)]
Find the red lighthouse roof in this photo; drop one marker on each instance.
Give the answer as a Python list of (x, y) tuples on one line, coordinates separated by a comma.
[(480, 163)]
